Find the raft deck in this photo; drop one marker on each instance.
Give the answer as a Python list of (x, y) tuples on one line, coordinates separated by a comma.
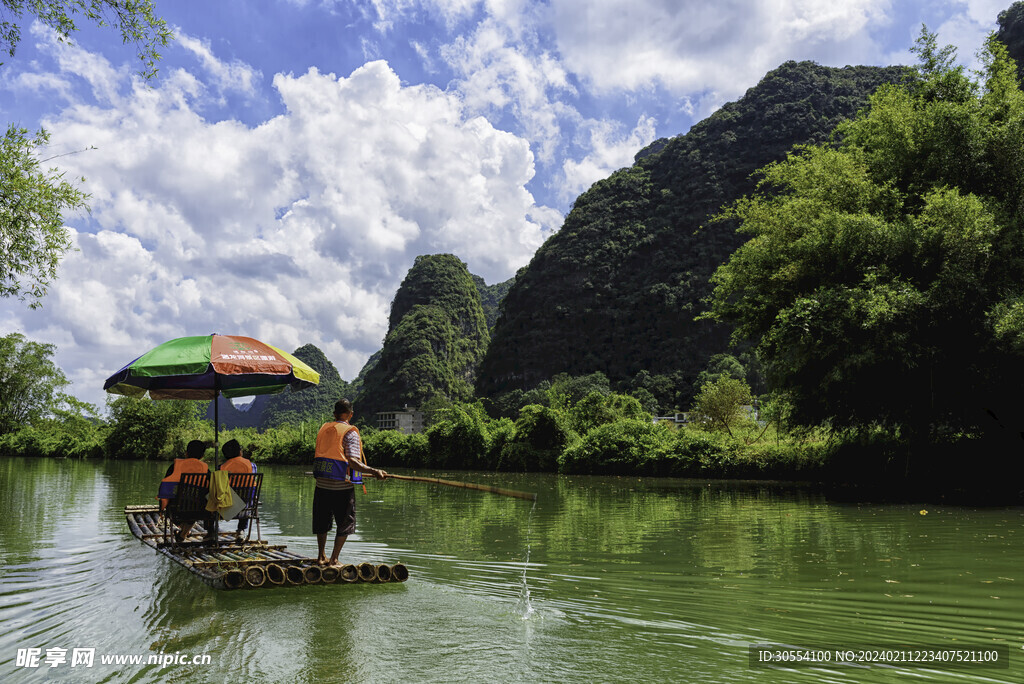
[(233, 563)]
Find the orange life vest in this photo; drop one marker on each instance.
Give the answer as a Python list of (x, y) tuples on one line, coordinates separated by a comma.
[(330, 461), (169, 485), (238, 464)]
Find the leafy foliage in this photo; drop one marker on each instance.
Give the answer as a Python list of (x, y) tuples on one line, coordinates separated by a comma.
[(720, 402), (33, 201), (30, 383), (882, 277), (618, 448), (617, 289), (32, 205), (142, 428), (133, 19)]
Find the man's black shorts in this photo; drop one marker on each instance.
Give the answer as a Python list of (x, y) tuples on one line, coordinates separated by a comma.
[(339, 504)]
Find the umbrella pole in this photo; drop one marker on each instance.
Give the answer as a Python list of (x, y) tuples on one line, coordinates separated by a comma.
[(216, 449), (216, 427)]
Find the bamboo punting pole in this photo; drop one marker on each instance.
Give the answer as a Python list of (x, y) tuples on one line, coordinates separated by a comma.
[(467, 485), (531, 496)]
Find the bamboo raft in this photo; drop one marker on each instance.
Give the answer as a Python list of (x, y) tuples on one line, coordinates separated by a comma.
[(232, 563)]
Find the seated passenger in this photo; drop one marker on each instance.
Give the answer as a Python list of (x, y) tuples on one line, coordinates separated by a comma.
[(236, 463), (192, 463)]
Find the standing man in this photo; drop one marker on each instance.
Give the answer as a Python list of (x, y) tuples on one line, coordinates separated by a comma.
[(339, 453)]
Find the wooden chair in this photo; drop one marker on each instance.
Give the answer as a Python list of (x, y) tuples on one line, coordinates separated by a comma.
[(189, 502), (247, 486)]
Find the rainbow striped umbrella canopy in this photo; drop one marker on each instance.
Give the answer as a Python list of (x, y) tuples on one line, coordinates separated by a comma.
[(211, 365)]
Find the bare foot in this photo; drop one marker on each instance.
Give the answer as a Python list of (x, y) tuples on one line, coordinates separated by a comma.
[(321, 561), (334, 563)]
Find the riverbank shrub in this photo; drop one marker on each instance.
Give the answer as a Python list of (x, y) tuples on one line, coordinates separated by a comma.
[(541, 435), (141, 428), (283, 444), (625, 447), (460, 440), (74, 437)]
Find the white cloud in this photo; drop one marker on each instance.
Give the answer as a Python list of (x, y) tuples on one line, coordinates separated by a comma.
[(233, 76), (609, 151), (499, 70), (297, 230), (102, 77), (693, 46)]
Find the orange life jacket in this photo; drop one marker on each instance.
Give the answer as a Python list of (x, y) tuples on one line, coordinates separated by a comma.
[(330, 461), (169, 485), (238, 464)]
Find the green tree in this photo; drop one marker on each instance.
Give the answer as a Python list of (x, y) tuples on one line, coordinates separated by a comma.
[(32, 205), (30, 383), (133, 19), (33, 200), (541, 435), (883, 274), (597, 409), (142, 428), (720, 402), (721, 365)]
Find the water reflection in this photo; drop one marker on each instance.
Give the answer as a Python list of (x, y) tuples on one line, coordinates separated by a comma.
[(616, 578)]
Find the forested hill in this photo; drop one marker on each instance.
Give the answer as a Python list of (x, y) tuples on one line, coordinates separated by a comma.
[(491, 297), (315, 403), (437, 335), (617, 288), (1011, 33)]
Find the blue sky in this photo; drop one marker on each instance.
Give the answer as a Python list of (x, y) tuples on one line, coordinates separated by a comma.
[(293, 157)]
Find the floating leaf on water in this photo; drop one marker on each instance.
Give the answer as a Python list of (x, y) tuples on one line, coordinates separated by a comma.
[(924, 512)]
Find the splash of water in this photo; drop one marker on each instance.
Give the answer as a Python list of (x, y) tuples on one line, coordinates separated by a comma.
[(525, 606)]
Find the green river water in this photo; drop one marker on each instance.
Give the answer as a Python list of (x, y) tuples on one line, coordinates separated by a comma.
[(603, 579)]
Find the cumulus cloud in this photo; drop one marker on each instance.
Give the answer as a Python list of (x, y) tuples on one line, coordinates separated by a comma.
[(610, 151), (694, 46), (226, 76), (499, 69), (295, 230)]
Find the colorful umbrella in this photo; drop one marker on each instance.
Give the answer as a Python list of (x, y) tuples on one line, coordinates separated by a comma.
[(208, 366)]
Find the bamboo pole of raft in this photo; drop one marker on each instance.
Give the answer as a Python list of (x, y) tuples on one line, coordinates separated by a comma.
[(467, 485)]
